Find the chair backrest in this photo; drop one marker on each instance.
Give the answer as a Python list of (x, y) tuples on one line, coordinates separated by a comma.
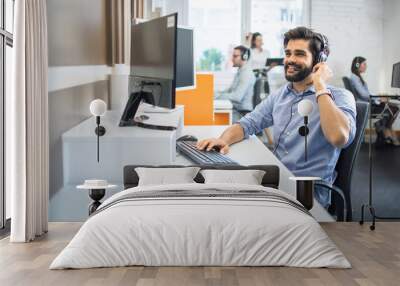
[(347, 158), (347, 83), (257, 92), (349, 86)]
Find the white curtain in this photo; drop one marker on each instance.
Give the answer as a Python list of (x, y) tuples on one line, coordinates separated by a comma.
[(28, 154)]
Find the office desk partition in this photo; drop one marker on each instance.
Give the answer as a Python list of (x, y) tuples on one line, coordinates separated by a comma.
[(222, 112)]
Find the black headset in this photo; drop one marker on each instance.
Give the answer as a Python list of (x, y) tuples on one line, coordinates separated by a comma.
[(358, 63), (324, 52), (245, 55)]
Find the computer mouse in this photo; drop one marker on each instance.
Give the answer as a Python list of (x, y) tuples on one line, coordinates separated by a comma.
[(187, 138), (143, 117), (216, 148)]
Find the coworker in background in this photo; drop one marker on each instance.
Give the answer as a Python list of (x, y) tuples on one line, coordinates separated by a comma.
[(331, 123), (247, 41), (258, 54), (240, 93), (383, 127)]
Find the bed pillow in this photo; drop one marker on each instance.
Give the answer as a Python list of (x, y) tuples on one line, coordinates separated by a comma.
[(248, 177), (166, 176)]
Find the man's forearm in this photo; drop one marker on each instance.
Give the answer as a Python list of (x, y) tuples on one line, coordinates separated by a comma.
[(233, 134), (334, 123)]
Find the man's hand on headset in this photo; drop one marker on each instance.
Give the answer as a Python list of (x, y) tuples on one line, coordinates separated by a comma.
[(320, 76)]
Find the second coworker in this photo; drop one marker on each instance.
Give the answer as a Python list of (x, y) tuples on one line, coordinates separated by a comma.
[(240, 93), (388, 111), (259, 55)]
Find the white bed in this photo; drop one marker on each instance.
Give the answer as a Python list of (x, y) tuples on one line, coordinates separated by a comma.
[(185, 230)]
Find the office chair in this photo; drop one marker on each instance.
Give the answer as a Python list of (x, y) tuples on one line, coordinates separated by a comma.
[(349, 86), (341, 189), (256, 96), (257, 92)]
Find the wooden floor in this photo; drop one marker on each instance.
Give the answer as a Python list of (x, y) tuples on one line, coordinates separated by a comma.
[(375, 257)]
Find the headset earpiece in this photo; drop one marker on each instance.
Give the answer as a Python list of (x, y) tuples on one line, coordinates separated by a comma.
[(246, 55), (357, 65), (323, 54)]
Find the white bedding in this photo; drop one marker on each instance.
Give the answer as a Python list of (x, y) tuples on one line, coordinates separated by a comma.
[(200, 231)]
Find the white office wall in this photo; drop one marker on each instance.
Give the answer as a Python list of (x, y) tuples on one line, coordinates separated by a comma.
[(354, 28), (169, 7)]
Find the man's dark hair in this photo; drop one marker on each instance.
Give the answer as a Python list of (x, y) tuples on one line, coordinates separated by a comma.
[(243, 50), (315, 40)]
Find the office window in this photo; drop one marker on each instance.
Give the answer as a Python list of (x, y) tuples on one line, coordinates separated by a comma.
[(217, 27), (220, 25), (9, 15), (272, 18), (6, 44)]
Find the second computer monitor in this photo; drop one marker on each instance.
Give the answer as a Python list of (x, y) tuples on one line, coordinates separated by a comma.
[(396, 75), (185, 67)]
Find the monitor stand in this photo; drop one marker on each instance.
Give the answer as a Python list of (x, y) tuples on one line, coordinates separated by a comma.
[(128, 116)]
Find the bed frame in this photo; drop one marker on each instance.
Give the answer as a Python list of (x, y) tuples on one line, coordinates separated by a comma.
[(270, 179)]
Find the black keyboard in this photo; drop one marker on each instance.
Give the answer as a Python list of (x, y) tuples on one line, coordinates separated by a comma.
[(189, 150)]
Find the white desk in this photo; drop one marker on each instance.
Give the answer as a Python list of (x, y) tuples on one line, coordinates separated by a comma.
[(253, 152), (119, 148), (223, 106)]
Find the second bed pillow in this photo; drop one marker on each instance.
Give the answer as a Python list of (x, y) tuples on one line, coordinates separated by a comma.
[(247, 177), (166, 176)]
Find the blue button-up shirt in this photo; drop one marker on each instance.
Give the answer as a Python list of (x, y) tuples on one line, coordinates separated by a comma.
[(280, 111)]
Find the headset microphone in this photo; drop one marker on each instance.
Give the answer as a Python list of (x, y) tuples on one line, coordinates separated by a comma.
[(304, 108)]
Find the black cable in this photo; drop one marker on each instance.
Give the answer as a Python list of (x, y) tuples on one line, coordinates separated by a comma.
[(98, 144), (98, 136)]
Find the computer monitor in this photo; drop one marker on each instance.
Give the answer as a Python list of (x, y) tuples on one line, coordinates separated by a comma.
[(153, 65), (153, 48), (185, 66), (396, 75), (153, 57)]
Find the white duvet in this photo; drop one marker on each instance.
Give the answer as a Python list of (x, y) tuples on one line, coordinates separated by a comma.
[(200, 231)]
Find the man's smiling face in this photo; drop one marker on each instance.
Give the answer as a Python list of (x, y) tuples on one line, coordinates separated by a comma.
[(298, 60)]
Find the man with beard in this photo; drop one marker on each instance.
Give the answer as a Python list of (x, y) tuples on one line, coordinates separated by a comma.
[(331, 123)]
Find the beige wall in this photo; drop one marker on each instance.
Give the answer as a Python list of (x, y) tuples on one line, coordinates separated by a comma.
[(78, 32), (79, 44), (67, 108)]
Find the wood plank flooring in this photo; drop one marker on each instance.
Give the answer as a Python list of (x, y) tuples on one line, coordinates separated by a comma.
[(375, 257)]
